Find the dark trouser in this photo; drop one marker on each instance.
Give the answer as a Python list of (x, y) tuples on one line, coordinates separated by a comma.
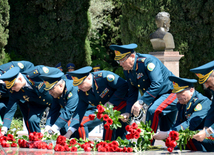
[(32, 113), (120, 132), (207, 145), (3, 106)]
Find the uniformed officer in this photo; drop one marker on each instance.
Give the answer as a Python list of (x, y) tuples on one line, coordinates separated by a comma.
[(103, 87), (26, 90), (70, 67), (203, 141), (4, 93), (192, 108), (59, 66), (65, 103), (146, 72), (96, 68)]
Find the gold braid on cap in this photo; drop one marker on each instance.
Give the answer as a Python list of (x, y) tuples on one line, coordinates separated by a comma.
[(177, 88), (48, 85), (203, 78), (77, 81), (119, 56), (96, 68), (10, 84)]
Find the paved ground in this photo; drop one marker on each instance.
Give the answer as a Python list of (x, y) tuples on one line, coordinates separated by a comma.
[(163, 151), (22, 151)]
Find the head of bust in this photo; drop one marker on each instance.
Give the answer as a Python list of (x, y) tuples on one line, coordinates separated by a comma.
[(162, 19)]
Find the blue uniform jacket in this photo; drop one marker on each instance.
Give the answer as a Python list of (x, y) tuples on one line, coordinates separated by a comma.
[(37, 95), (209, 121), (107, 86), (192, 115), (64, 107), (151, 76)]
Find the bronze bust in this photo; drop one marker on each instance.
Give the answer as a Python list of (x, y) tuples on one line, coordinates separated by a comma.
[(161, 39)]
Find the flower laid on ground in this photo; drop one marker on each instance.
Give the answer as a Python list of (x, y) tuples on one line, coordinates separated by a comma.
[(143, 133), (179, 138), (109, 115), (34, 140)]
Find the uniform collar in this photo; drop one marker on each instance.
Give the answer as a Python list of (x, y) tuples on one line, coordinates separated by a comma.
[(135, 62)]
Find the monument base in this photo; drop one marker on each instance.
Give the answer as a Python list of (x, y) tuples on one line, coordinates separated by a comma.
[(170, 59)]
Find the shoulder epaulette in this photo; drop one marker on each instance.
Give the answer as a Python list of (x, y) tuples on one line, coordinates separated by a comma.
[(32, 73), (98, 75), (141, 59)]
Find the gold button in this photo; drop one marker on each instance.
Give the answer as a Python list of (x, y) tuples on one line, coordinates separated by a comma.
[(39, 96), (43, 99), (89, 101), (143, 88), (143, 79), (97, 91), (100, 102), (108, 95), (138, 85)]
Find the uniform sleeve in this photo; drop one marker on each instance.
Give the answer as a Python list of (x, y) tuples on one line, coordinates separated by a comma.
[(68, 110), (195, 119), (10, 111), (209, 121), (120, 86), (132, 96), (156, 77), (78, 115)]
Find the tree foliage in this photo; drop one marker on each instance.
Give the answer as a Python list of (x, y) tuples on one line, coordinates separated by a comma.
[(48, 31), (4, 22), (191, 26)]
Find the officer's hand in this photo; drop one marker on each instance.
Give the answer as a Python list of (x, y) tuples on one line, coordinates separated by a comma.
[(136, 108), (109, 103), (47, 127), (3, 132), (125, 117), (68, 134), (160, 135), (200, 136)]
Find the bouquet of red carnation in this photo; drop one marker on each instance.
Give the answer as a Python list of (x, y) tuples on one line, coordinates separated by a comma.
[(109, 115), (143, 133), (179, 138)]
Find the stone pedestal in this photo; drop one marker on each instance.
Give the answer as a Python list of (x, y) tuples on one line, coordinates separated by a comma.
[(170, 59)]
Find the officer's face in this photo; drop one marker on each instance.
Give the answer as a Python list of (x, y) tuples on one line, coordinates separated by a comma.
[(70, 70), (185, 96), (86, 84), (56, 91), (19, 83), (128, 63), (210, 83)]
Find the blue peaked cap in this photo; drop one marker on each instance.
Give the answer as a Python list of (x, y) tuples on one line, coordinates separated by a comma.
[(10, 77), (122, 50), (180, 84), (50, 75), (70, 66), (79, 75), (59, 66), (203, 72)]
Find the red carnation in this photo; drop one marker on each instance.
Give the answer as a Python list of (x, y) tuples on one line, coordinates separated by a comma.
[(99, 115), (170, 149), (87, 149), (128, 128), (101, 109), (73, 142), (136, 135), (129, 149), (106, 126), (134, 125), (105, 117), (173, 143), (174, 135), (115, 143), (128, 136), (74, 149), (168, 141), (91, 116), (109, 121), (61, 140), (10, 137), (13, 145)]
